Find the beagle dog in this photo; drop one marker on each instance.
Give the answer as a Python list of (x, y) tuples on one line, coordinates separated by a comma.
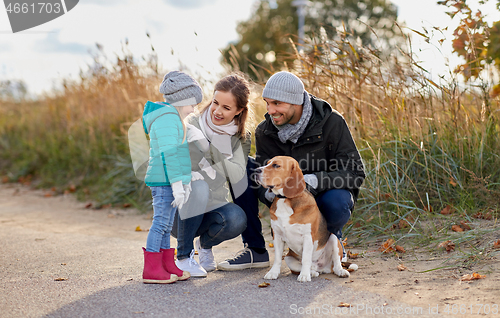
[(297, 221)]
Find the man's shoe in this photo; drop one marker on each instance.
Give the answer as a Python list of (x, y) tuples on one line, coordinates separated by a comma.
[(205, 256), (191, 265), (246, 258)]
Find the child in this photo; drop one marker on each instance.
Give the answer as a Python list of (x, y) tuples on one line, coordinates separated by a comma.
[(169, 171)]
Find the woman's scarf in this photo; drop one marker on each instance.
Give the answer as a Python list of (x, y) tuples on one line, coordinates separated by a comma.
[(219, 137), (292, 132)]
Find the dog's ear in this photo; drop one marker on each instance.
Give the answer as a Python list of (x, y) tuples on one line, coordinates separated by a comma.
[(294, 184)]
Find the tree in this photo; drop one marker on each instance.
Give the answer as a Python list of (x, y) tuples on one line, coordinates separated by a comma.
[(475, 41), (265, 38)]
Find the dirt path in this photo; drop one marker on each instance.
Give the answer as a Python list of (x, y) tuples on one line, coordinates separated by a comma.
[(59, 259)]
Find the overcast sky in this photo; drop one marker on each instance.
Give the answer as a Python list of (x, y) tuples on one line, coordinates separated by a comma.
[(193, 30)]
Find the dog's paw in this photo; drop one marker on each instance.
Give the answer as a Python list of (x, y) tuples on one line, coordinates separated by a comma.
[(341, 273), (314, 273), (304, 277), (272, 275)]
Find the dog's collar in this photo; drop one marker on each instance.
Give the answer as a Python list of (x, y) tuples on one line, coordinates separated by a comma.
[(281, 196)]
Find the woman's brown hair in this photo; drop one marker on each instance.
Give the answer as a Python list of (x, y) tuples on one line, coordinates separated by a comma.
[(239, 87)]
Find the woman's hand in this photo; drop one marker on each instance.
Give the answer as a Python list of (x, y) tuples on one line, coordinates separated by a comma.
[(195, 135), (195, 175)]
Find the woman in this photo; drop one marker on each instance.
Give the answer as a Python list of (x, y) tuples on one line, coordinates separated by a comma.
[(219, 144)]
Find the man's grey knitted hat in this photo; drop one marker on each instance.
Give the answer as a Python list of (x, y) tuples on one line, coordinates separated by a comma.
[(180, 89), (285, 87)]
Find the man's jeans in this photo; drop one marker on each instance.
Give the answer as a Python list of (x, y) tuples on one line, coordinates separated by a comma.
[(335, 205), (213, 227), (163, 218)]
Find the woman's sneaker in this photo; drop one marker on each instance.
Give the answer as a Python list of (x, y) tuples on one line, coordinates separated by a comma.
[(191, 265), (205, 256), (246, 258)]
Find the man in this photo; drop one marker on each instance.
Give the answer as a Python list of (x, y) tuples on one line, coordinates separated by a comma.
[(302, 126)]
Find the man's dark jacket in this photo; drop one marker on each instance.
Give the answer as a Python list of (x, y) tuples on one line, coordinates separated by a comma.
[(326, 149)]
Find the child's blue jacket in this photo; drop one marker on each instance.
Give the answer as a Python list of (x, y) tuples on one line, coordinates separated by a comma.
[(169, 159)]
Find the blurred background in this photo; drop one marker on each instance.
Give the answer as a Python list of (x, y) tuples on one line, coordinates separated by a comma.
[(417, 81)]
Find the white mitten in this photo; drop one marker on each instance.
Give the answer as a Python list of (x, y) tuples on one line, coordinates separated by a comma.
[(187, 190), (179, 194), (269, 195), (312, 180), (195, 175), (195, 135)]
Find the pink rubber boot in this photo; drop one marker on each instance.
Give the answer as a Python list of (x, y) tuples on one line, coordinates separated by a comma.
[(169, 264), (153, 272)]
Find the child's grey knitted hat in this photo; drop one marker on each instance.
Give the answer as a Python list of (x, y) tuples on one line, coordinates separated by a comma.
[(285, 87), (180, 89)]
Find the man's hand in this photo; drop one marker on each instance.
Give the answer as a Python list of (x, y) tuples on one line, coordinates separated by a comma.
[(269, 195), (311, 180)]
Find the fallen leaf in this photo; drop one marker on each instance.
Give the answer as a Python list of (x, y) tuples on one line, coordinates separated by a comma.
[(271, 245), (72, 188), (473, 276), (47, 195), (447, 210), (60, 279), (496, 244), (88, 205), (457, 228), (485, 216), (464, 225), (263, 285), (127, 205), (5, 179), (63, 263), (448, 245), (401, 267), (387, 246), (400, 249), (452, 182), (478, 215), (351, 255), (402, 224), (344, 305), (138, 228)]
